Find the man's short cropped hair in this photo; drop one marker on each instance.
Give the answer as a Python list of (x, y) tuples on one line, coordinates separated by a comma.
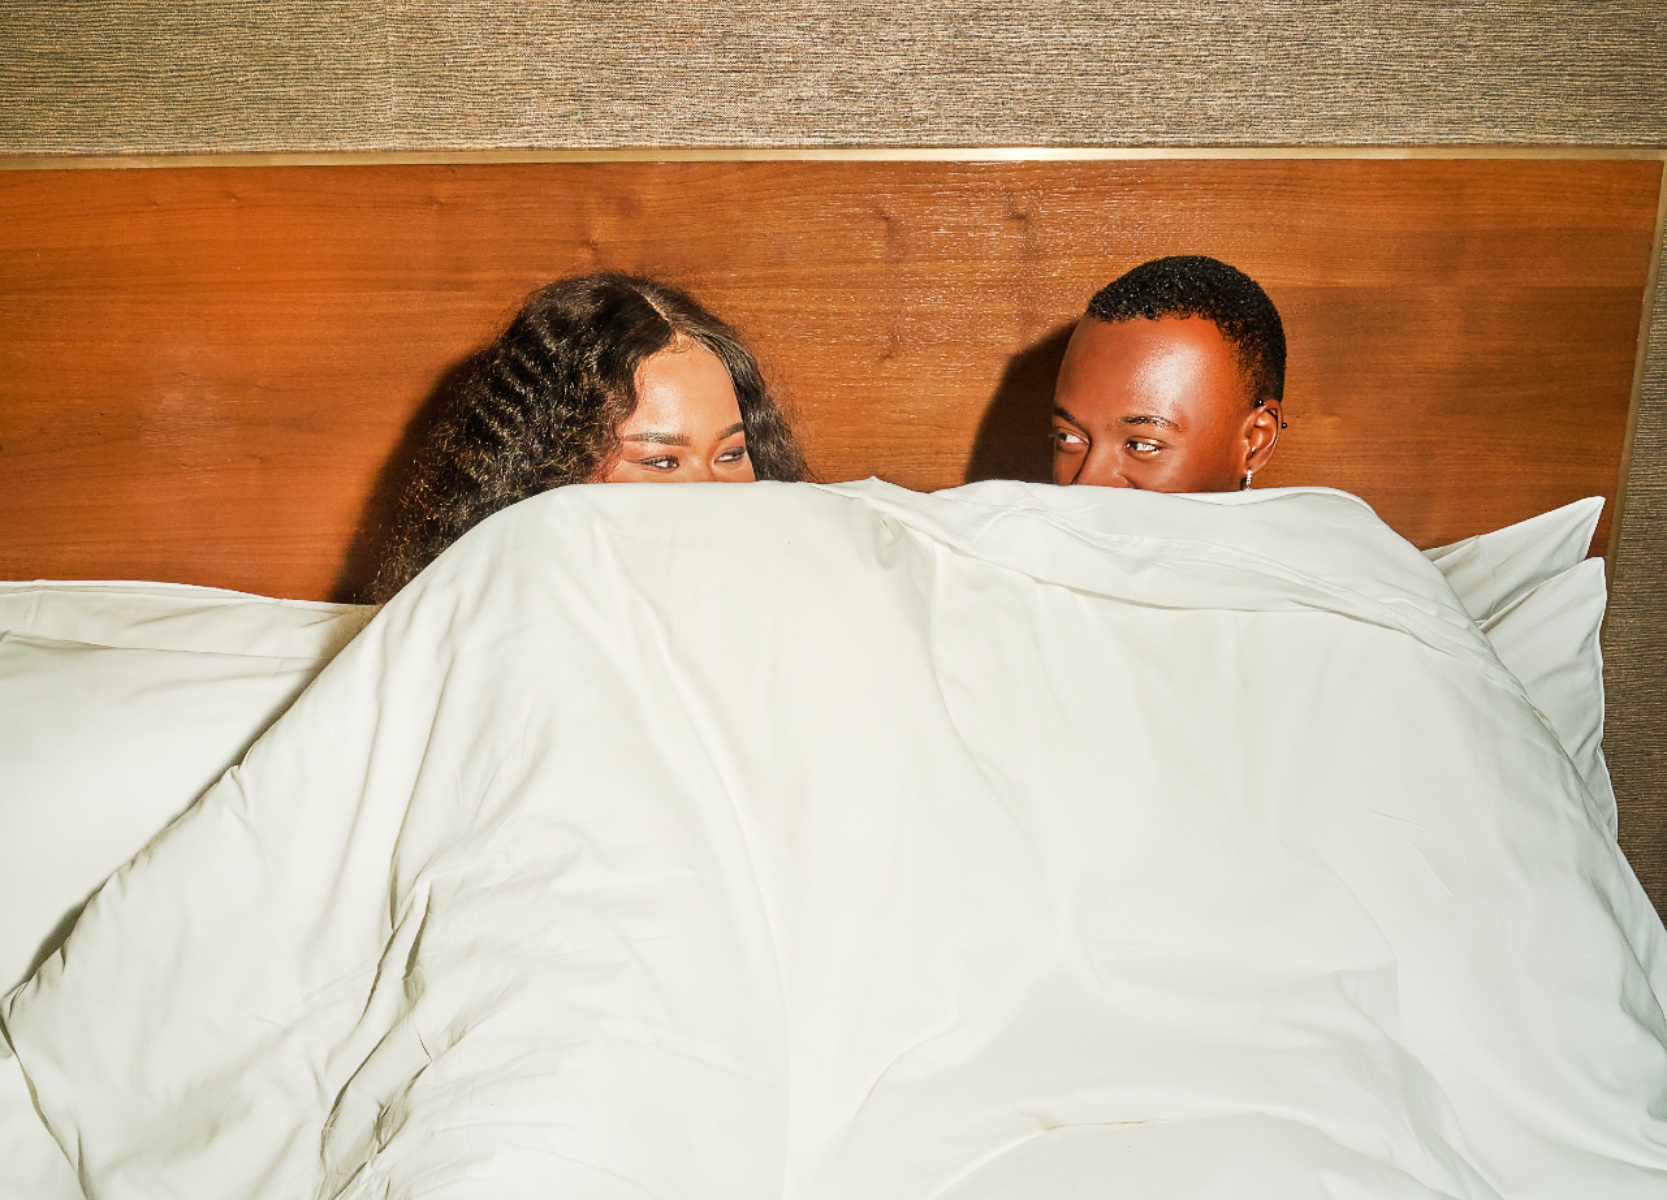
[(1192, 285)]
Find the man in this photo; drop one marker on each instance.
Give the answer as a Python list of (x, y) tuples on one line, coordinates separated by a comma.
[(1172, 382)]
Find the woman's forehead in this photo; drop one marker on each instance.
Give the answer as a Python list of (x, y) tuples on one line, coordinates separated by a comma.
[(684, 388)]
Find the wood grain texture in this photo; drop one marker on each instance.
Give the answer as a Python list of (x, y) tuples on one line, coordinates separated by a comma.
[(206, 375), (112, 76)]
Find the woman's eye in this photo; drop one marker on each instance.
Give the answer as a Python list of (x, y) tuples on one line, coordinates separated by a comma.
[(733, 454), (664, 462)]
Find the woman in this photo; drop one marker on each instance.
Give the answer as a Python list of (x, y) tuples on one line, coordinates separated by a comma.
[(600, 379)]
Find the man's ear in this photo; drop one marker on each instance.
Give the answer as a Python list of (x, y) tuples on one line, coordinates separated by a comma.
[(1261, 434)]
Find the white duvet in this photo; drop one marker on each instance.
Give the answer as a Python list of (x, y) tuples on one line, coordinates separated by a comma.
[(782, 841)]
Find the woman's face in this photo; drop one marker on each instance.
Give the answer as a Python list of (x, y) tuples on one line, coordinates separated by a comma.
[(687, 425)]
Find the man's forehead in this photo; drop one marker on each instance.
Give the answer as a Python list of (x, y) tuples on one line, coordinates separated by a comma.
[(1156, 373)]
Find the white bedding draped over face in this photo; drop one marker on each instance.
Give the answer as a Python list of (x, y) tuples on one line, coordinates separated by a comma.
[(842, 842)]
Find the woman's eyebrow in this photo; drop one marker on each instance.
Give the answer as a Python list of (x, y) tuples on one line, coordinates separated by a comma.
[(659, 439), (733, 429)]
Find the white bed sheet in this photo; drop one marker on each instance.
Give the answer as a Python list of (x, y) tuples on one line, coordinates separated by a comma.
[(784, 841)]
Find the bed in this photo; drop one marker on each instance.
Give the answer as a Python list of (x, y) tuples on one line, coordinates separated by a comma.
[(1296, 874)]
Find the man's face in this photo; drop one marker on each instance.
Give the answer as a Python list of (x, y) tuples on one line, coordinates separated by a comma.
[(1159, 405)]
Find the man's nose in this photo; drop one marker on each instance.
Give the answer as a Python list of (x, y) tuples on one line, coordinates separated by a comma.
[(1102, 468)]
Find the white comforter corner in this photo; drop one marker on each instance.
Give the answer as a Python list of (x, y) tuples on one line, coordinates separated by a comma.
[(842, 842)]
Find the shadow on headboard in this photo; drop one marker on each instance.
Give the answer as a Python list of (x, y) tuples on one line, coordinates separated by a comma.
[(1012, 439), (216, 374), (370, 536)]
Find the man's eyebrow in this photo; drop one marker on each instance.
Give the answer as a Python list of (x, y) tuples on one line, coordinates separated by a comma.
[(1060, 412), (1148, 419), (660, 439)]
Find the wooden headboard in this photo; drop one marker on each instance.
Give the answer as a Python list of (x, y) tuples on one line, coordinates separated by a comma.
[(209, 374)]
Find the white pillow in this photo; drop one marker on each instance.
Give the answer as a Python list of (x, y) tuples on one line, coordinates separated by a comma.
[(119, 705), (1548, 639), (100, 747), (1540, 601), (1491, 571)]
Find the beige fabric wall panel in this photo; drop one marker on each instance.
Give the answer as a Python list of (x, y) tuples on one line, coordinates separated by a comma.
[(1635, 634), (244, 75)]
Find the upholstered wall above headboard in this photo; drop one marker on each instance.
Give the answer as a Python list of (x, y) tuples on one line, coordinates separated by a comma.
[(166, 76)]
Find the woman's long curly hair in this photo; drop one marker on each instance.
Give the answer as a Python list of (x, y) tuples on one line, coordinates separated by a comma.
[(541, 407)]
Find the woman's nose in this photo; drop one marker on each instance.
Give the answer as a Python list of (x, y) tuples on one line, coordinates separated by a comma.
[(700, 471)]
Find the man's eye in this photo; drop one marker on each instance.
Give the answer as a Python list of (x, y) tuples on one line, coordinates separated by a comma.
[(1143, 446), (1066, 438)]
